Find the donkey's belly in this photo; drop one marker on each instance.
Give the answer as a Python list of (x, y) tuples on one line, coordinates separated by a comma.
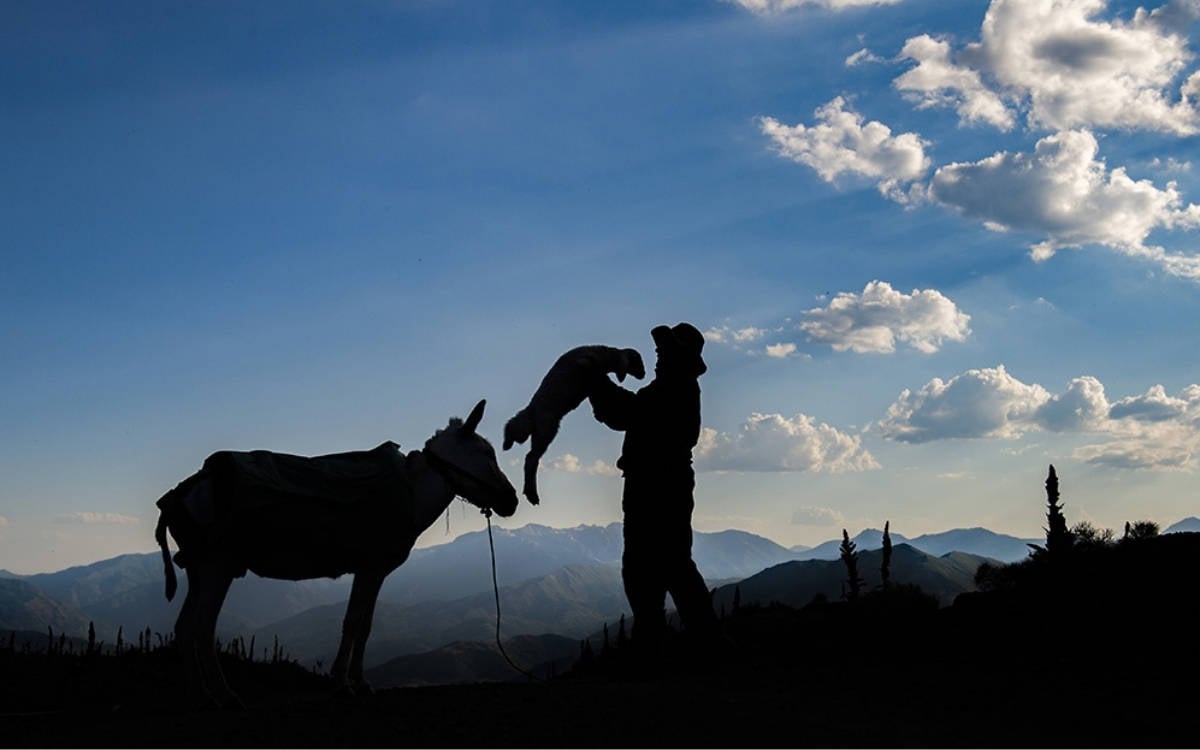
[(324, 550)]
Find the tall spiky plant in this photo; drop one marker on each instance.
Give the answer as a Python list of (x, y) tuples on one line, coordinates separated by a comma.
[(850, 558), (885, 572), (1058, 537)]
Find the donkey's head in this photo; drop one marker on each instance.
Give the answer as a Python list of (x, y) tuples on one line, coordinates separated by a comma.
[(468, 461)]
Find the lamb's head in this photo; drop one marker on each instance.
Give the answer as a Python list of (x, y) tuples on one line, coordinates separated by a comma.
[(468, 461), (629, 362)]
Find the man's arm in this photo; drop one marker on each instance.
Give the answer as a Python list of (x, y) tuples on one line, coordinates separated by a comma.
[(612, 405)]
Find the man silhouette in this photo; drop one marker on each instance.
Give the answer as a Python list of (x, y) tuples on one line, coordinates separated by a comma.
[(661, 423)]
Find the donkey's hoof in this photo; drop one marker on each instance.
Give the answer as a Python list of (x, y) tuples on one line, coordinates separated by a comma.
[(232, 703), (363, 689)]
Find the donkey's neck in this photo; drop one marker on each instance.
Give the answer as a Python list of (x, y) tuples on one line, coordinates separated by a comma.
[(432, 493)]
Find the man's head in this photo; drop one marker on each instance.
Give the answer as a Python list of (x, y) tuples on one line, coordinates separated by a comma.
[(678, 348)]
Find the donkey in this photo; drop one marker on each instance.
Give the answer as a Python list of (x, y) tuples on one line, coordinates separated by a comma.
[(296, 518)]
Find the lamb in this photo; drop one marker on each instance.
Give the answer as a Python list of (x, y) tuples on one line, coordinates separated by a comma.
[(563, 388)]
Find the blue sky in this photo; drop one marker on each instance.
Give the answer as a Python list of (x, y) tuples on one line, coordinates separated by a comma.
[(934, 247)]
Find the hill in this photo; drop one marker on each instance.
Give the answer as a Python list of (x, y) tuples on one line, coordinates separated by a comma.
[(796, 583), (461, 567), (128, 591), (24, 606), (474, 661), (976, 541), (570, 602), (1191, 523), (874, 673)]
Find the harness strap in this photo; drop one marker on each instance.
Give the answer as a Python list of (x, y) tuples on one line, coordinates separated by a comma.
[(496, 587)]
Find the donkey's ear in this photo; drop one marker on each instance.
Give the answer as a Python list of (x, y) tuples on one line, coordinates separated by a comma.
[(475, 416)]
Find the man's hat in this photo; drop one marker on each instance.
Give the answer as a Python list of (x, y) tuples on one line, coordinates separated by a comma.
[(681, 344)]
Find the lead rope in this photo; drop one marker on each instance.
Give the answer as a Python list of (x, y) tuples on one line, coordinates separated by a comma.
[(487, 513)]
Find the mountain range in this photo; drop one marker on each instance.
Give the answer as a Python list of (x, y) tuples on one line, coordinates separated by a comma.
[(555, 580), (976, 541)]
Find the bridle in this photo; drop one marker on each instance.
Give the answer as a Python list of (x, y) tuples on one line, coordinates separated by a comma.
[(450, 470)]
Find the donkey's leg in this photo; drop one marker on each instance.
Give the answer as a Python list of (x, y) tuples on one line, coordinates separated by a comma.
[(186, 642), (371, 584), (212, 585), (359, 613)]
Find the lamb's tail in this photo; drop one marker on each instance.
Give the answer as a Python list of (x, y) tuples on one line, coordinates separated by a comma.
[(518, 429), (160, 535)]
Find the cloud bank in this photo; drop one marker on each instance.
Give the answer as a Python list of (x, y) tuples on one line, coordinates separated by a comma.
[(879, 317), (1064, 192), (1149, 431), (1065, 67), (772, 442), (571, 464), (1061, 191), (808, 515), (91, 519), (841, 143), (767, 7)]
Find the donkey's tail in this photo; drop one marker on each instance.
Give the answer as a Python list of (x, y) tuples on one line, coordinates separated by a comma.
[(160, 535)]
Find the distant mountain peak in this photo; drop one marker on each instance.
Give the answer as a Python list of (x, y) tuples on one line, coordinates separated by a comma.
[(1191, 523)]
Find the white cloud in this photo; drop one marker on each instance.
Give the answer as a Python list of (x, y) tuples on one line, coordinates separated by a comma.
[(1151, 431), (1082, 407), (937, 82), (864, 55), (771, 442), (808, 515), (1156, 406), (571, 464), (874, 320), (765, 7), (1064, 192), (842, 144), (3, 522), (781, 351), (733, 336), (84, 517), (1171, 164), (975, 404), (1067, 66)]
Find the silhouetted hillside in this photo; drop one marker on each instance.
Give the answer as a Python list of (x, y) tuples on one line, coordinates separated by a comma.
[(1098, 652), (570, 602), (474, 661), (24, 606), (128, 591), (796, 583), (1149, 585)]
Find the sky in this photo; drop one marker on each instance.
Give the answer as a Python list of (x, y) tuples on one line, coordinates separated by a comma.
[(934, 248)]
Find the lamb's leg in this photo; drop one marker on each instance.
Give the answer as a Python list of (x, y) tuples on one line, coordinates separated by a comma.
[(539, 443), (359, 613)]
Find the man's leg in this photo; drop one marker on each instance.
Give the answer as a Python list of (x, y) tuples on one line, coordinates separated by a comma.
[(645, 588)]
